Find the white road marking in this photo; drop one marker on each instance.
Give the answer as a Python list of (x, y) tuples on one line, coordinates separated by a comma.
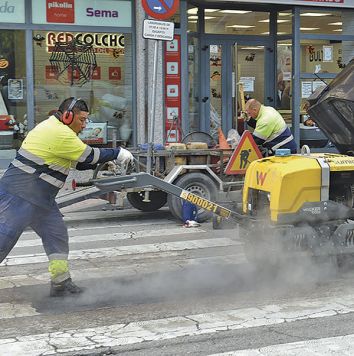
[(115, 236), (12, 310), (189, 325), (121, 270), (103, 227), (339, 345), (124, 250)]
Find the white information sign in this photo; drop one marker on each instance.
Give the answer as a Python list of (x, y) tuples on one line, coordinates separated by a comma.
[(15, 89), (158, 30), (327, 53), (248, 83), (214, 49), (287, 76), (306, 89)]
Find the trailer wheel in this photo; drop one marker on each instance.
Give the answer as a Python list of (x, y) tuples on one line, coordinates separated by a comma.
[(158, 199), (197, 183)]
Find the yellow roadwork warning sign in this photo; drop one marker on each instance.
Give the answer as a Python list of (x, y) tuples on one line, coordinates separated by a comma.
[(246, 152)]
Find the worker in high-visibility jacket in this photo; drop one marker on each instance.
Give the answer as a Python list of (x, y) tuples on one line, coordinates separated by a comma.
[(270, 129), (30, 184)]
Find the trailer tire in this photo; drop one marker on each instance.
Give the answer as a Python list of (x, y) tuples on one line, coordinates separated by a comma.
[(197, 183), (158, 200)]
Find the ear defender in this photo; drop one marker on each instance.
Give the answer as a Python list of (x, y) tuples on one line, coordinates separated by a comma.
[(68, 115)]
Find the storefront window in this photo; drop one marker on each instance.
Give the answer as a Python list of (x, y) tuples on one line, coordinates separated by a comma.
[(326, 22), (324, 56), (192, 18), (236, 22), (106, 87), (13, 122), (176, 19), (284, 23), (215, 94), (284, 76), (322, 59)]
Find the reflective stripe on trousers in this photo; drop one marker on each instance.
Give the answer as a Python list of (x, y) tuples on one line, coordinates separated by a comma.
[(59, 270)]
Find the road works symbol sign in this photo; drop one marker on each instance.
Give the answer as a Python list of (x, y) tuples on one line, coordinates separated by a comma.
[(160, 9), (246, 152)]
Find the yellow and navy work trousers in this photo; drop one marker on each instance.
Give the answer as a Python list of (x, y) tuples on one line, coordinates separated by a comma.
[(16, 214)]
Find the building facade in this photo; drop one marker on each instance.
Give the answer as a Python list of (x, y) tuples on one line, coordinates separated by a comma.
[(277, 51)]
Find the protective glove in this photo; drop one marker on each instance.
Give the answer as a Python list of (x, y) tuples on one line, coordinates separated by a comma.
[(124, 158)]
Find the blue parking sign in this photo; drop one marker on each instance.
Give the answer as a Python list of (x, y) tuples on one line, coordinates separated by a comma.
[(160, 9)]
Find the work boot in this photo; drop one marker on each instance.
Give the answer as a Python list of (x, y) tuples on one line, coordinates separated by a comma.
[(64, 288)]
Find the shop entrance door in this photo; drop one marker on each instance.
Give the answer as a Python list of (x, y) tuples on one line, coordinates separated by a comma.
[(224, 65)]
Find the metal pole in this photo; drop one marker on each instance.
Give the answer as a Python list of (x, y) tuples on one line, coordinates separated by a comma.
[(152, 111)]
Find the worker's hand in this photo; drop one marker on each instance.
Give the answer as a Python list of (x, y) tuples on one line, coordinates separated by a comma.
[(265, 151), (125, 158), (244, 116)]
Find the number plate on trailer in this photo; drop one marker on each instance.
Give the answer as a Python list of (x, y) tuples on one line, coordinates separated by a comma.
[(205, 204)]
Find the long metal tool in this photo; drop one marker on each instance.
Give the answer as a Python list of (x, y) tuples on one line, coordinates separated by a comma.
[(147, 180)]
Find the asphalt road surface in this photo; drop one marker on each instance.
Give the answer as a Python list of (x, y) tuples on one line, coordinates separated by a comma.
[(156, 288)]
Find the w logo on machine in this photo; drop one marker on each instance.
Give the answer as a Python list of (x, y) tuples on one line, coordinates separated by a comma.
[(261, 176)]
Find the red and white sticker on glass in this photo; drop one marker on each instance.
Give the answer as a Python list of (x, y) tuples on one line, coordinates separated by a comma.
[(172, 90), (60, 11)]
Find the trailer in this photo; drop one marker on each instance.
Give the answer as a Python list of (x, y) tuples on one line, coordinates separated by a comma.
[(148, 182), (198, 171)]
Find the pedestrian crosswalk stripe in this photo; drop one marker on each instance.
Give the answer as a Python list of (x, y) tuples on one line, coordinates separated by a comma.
[(172, 327), (338, 345), (115, 236), (124, 250), (120, 271), (13, 310), (120, 226)]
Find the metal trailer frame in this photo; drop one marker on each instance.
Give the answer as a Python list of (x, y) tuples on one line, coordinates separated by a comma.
[(148, 181)]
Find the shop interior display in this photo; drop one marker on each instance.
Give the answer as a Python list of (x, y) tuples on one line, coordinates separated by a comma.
[(73, 61)]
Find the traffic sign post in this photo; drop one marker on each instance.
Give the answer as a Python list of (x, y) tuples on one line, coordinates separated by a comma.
[(157, 31), (160, 9)]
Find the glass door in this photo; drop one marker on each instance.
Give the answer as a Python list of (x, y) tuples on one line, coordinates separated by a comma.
[(215, 88), (230, 74), (248, 79)]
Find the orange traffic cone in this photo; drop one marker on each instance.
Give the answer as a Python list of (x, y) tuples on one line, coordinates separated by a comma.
[(222, 140)]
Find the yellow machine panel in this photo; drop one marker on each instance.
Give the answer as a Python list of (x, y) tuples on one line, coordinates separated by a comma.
[(287, 182), (339, 162)]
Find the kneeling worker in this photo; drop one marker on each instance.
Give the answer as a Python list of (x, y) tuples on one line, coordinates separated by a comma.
[(270, 129), (30, 184)]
